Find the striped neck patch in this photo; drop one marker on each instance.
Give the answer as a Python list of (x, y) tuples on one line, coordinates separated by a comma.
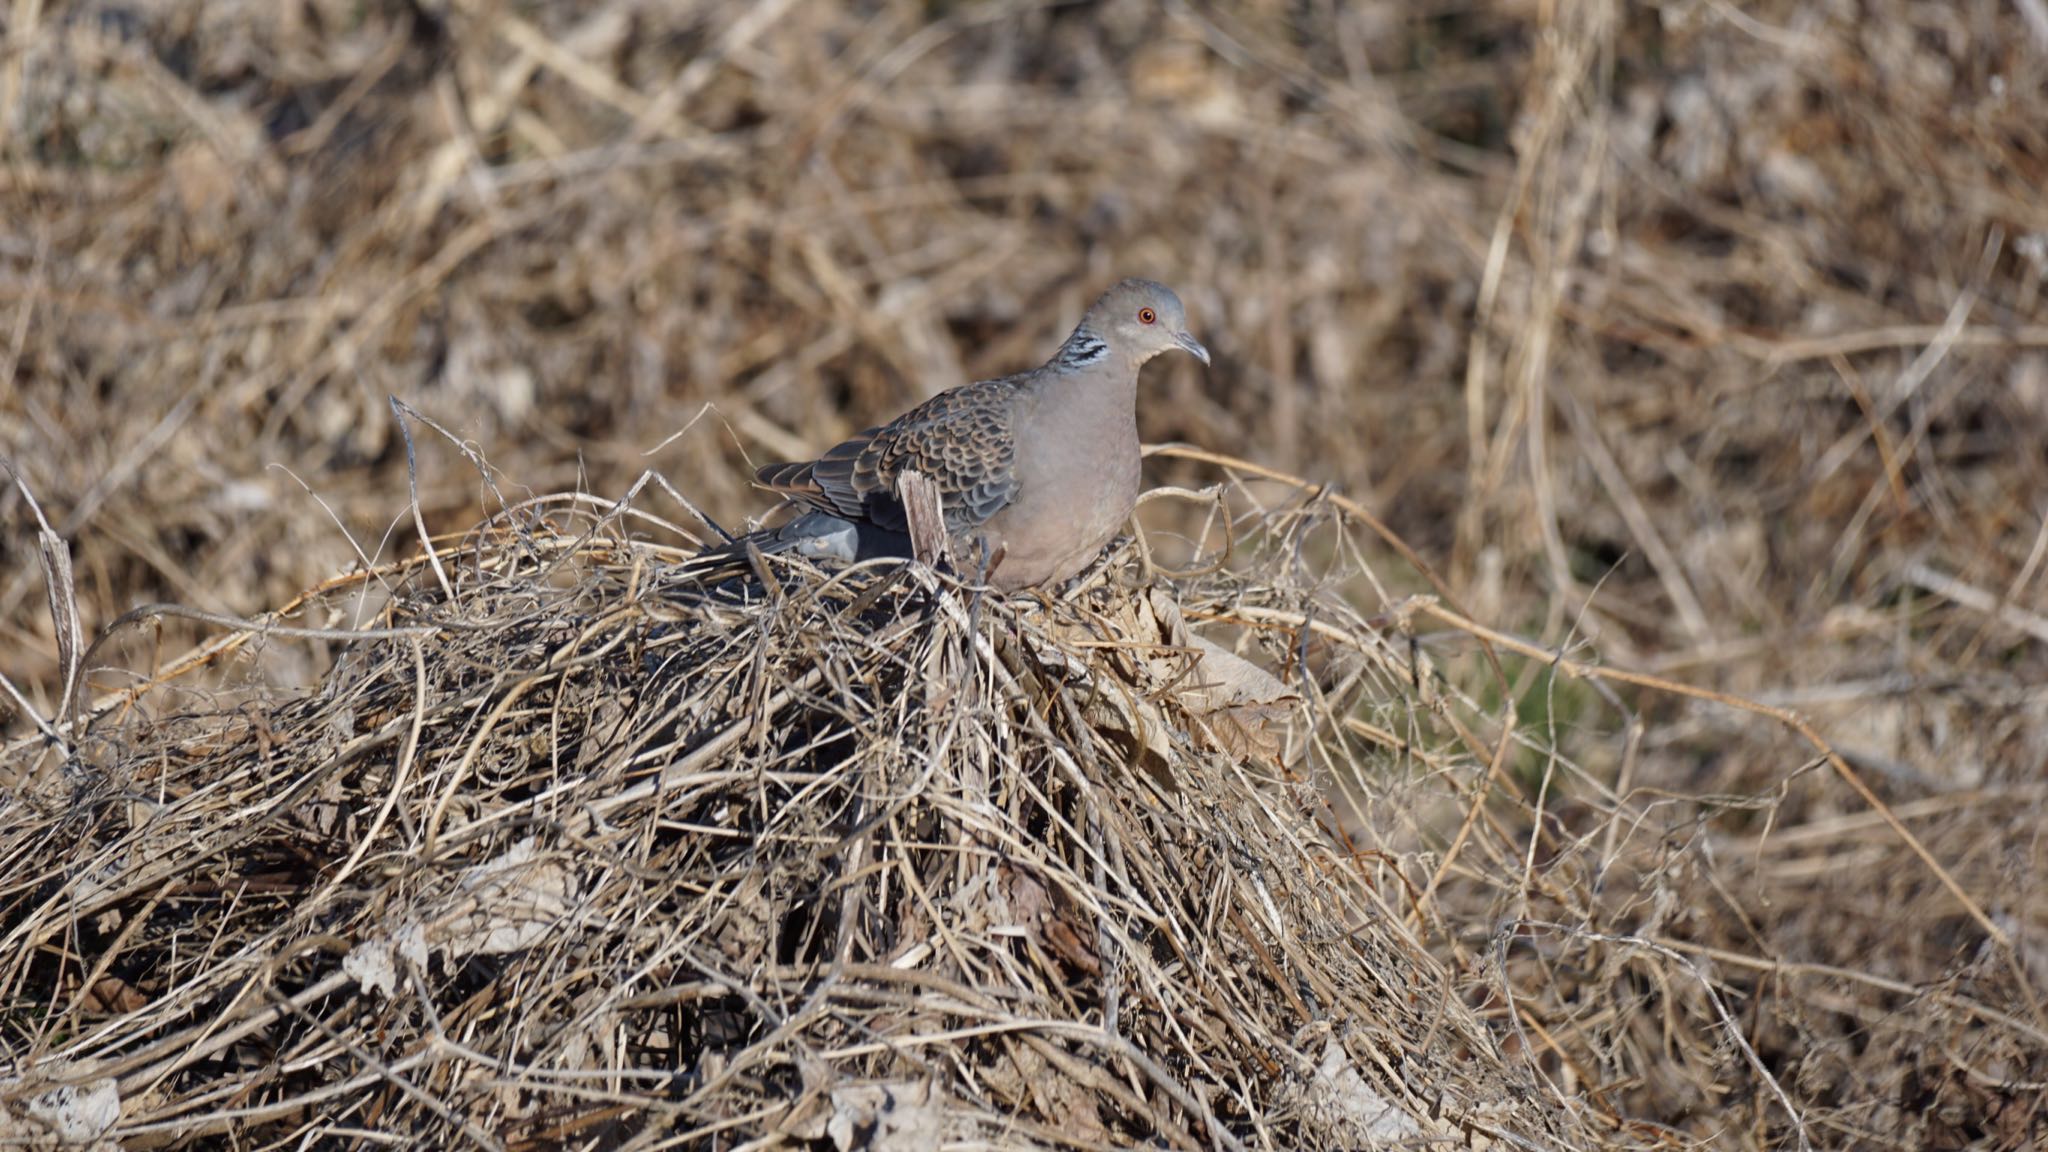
[(1081, 349)]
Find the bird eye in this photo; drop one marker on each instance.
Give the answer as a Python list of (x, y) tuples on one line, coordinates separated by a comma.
[(1147, 316)]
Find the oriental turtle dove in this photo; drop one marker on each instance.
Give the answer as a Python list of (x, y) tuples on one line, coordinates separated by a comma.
[(1036, 471)]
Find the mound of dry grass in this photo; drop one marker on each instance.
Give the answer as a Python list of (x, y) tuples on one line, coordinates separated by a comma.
[(562, 853)]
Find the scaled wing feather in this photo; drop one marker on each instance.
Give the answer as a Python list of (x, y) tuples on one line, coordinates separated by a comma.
[(960, 439)]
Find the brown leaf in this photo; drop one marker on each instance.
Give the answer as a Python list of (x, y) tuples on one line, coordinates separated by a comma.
[(1051, 918)]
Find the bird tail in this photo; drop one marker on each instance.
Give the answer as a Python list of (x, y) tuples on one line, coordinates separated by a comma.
[(814, 536), (722, 562)]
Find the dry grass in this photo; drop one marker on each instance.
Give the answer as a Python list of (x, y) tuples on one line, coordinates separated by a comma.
[(1701, 339), (561, 853)]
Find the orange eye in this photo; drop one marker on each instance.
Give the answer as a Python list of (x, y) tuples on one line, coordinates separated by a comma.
[(1147, 316)]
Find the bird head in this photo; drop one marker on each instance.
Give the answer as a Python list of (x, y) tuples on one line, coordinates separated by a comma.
[(1143, 318)]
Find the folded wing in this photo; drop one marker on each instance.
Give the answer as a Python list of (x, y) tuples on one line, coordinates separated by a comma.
[(960, 439)]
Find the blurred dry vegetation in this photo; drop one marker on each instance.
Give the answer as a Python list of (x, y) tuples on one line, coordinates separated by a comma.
[(1703, 338)]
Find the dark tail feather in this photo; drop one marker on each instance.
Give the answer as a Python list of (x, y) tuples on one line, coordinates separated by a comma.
[(813, 535), (721, 562)]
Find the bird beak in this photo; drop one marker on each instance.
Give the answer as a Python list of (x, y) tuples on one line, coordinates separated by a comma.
[(1192, 345)]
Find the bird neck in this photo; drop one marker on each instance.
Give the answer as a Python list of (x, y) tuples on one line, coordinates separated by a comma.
[(1084, 349), (1088, 379)]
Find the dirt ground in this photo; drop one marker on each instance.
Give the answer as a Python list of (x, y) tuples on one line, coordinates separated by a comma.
[(1702, 340)]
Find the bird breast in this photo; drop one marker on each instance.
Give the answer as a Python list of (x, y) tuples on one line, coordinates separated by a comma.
[(1078, 470)]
